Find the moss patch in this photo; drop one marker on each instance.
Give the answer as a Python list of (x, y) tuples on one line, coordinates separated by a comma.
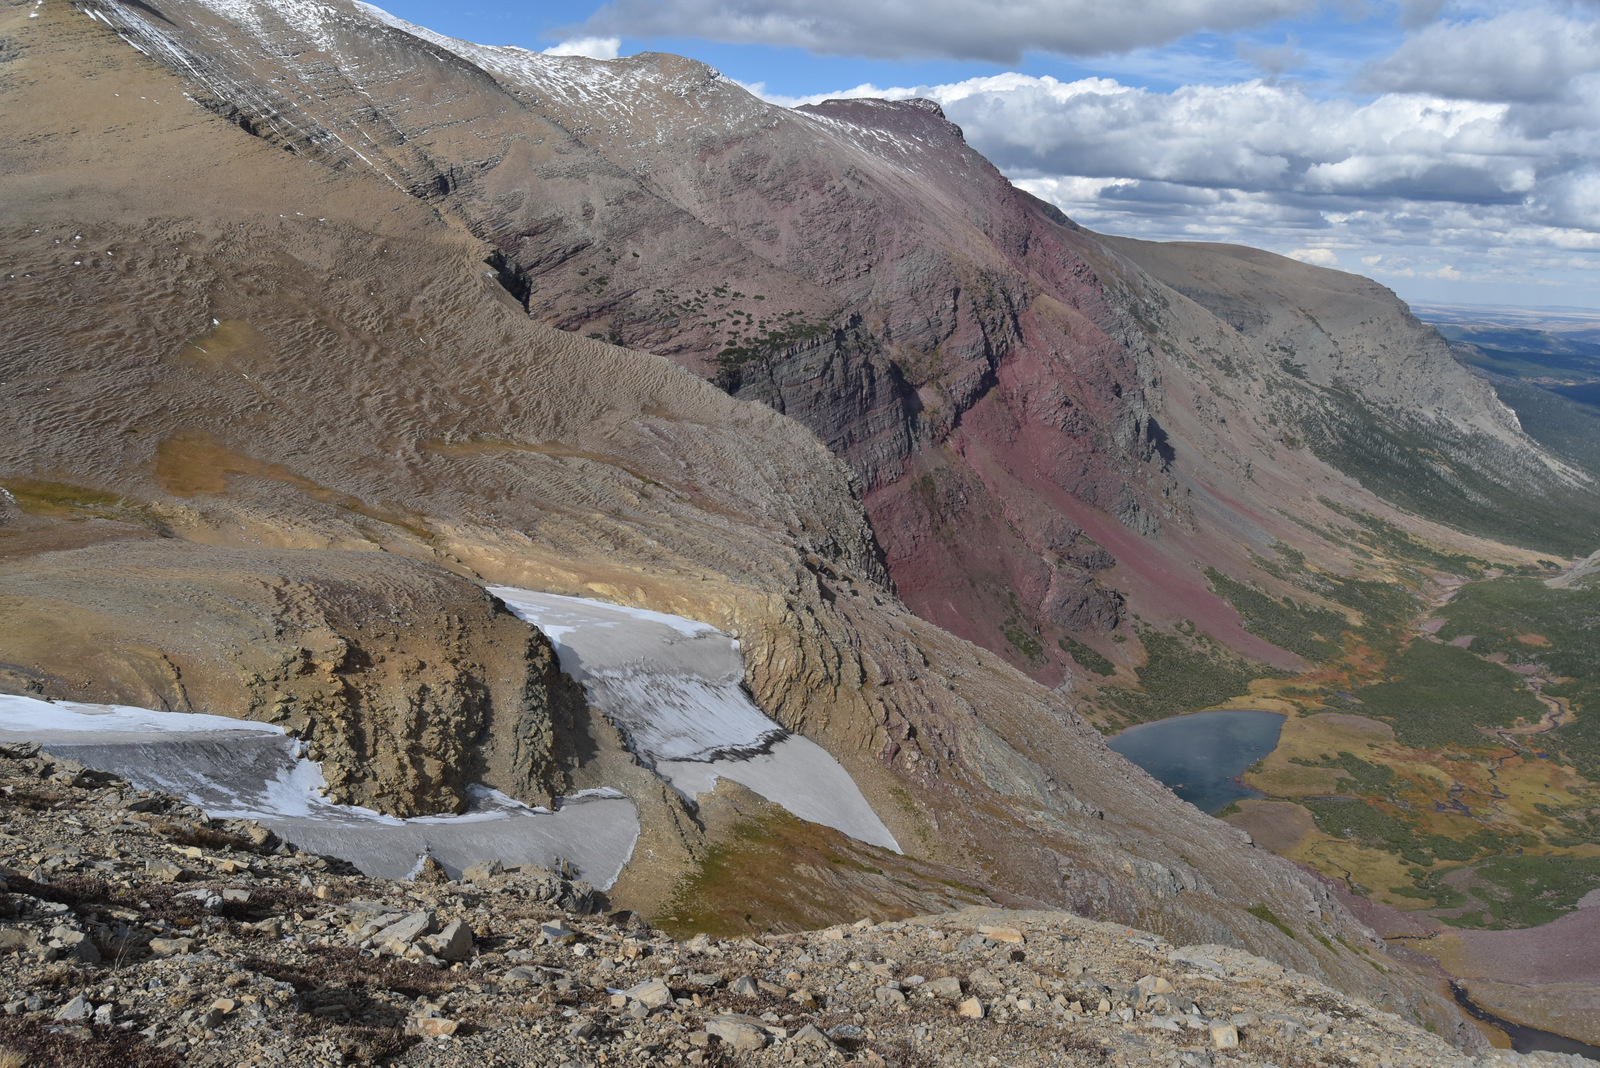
[(776, 872)]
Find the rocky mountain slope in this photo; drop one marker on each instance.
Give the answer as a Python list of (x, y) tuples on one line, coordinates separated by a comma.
[(1054, 431), (135, 928), (276, 405)]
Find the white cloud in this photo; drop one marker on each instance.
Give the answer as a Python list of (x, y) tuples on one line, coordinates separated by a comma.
[(1439, 191), (995, 30), (592, 47), (1521, 55), (1248, 137), (866, 90), (1469, 156)]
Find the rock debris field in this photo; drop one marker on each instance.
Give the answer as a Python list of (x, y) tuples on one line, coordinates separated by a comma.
[(137, 931)]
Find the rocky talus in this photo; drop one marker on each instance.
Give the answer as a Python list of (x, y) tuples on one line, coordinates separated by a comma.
[(138, 931)]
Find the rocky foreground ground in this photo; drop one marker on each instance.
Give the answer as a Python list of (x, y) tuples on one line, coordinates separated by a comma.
[(136, 931)]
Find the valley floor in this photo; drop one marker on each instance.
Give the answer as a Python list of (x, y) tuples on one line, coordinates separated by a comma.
[(1442, 762)]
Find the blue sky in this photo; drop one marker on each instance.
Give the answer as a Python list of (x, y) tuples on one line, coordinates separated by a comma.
[(1448, 148)]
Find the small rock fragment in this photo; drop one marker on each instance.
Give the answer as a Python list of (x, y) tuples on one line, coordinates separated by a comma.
[(452, 943), (812, 1037), (1225, 1036), (524, 974), (971, 1008), (653, 994), (431, 1026), (741, 1032), (166, 870), (404, 932), (482, 871), (76, 1009)]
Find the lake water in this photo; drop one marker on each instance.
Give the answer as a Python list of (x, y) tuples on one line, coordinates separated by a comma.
[(1201, 756)]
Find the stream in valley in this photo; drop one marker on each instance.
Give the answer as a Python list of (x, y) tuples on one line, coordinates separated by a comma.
[(1525, 1039)]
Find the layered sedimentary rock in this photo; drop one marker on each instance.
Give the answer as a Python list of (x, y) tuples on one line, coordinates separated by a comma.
[(1049, 427), (392, 670)]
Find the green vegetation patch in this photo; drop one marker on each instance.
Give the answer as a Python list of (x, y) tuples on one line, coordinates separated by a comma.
[(1021, 635), (1440, 695), (1565, 427), (1185, 674), (61, 500), (1301, 629), (768, 342), (1364, 777), (1518, 890), (1266, 915), (1554, 629), (1470, 482), (1386, 605), (1384, 537), (1086, 657), (1366, 824)]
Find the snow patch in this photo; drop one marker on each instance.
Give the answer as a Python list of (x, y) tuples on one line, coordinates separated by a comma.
[(675, 688), (798, 774), (241, 769)]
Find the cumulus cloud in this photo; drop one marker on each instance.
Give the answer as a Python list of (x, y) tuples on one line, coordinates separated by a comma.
[(592, 47), (999, 31), (1430, 188), (1419, 12), (1250, 137), (1470, 153), (1526, 55)]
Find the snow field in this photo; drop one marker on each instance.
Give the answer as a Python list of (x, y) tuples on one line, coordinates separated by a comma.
[(242, 769), (674, 687)]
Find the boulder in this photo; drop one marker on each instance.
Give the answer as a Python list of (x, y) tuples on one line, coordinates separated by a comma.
[(405, 931), (653, 994), (743, 1033)]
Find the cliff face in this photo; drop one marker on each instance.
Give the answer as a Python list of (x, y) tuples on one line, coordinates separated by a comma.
[(266, 371), (393, 671)]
